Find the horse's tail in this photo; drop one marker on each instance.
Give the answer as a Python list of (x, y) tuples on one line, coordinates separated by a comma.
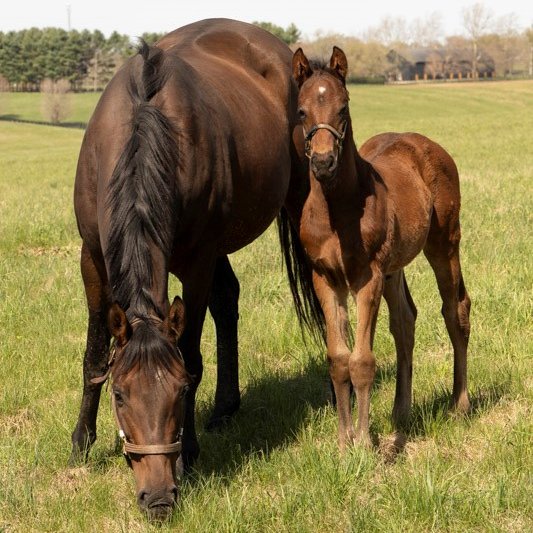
[(308, 309), (142, 199)]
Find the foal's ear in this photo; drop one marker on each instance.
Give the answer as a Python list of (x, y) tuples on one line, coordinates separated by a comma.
[(118, 324), (175, 322), (339, 63), (301, 69)]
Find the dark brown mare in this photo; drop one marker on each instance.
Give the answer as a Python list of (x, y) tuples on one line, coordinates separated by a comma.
[(367, 215), (187, 158)]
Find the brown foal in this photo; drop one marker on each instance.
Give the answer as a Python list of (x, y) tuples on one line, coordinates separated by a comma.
[(367, 215)]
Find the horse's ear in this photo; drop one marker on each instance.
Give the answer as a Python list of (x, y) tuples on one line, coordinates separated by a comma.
[(119, 325), (301, 69), (339, 63), (175, 322)]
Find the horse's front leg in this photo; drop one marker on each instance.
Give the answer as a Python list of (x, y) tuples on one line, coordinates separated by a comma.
[(362, 360), (333, 303), (95, 359), (224, 308), (196, 288)]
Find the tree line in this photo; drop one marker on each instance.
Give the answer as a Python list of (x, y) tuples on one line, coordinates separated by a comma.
[(88, 59)]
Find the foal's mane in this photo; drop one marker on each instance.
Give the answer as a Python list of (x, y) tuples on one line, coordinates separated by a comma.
[(321, 66), (142, 201)]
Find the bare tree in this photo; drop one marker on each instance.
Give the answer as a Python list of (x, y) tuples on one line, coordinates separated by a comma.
[(427, 31), (56, 102), (4, 84), (529, 36), (476, 21)]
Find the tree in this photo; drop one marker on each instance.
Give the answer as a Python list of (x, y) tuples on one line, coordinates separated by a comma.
[(56, 103), (289, 35), (476, 20), (529, 36)]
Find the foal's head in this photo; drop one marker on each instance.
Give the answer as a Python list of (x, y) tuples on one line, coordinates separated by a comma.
[(149, 384), (323, 110)]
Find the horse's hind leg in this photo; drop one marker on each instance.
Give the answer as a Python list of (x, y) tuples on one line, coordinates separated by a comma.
[(444, 259), (402, 317), (224, 308), (95, 359)]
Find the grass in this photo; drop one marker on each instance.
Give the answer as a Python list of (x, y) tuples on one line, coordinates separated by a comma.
[(277, 467), (27, 107)]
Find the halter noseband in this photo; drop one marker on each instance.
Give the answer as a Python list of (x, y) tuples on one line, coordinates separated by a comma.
[(339, 136)]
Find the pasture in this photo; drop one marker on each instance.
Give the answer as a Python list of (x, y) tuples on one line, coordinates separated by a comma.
[(277, 467)]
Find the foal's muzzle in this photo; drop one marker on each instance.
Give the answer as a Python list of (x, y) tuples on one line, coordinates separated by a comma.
[(324, 165)]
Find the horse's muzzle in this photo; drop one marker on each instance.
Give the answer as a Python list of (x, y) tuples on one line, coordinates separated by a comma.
[(324, 166), (158, 505)]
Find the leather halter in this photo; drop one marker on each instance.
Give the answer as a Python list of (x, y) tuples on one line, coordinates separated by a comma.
[(339, 136)]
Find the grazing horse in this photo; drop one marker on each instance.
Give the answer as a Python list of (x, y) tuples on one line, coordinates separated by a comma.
[(367, 214), (187, 158)]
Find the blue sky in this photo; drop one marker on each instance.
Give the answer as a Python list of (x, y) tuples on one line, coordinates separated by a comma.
[(353, 17)]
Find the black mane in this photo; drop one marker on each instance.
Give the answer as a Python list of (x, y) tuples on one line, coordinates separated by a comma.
[(149, 349), (143, 196)]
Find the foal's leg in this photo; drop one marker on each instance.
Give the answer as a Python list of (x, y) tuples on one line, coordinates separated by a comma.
[(456, 311), (402, 316), (362, 361), (224, 308), (333, 302), (95, 359)]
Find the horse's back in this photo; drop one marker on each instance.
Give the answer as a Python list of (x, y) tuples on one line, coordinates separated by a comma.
[(229, 94), (422, 188), (412, 157)]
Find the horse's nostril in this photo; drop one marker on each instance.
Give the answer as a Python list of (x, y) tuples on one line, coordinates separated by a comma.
[(142, 497), (174, 492)]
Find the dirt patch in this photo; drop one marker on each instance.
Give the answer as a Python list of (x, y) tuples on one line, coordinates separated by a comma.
[(50, 251)]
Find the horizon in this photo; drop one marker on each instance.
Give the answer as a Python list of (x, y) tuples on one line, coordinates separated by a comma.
[(312, 22)]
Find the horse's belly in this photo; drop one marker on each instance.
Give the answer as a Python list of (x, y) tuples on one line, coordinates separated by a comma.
[(412, 220)]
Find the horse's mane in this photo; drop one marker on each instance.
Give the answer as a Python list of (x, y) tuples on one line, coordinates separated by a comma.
[(149, 349), (142, 202), (319, 66)]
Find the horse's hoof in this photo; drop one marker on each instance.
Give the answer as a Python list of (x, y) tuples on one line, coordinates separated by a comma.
[(221, 417)]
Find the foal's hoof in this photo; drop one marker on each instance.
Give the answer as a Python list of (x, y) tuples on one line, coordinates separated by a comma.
[(221, 417)]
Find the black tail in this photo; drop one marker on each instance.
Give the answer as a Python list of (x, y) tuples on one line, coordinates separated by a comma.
[(299, 270), (142, 198)]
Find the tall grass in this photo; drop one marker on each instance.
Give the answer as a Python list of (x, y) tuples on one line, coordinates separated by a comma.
[(277, 467)]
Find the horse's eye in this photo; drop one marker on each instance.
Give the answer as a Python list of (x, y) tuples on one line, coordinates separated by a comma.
[(301, 113), (344, 111), (118, 398)]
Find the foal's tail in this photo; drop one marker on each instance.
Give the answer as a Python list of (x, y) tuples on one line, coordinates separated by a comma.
[(142, 199), (308, 309)]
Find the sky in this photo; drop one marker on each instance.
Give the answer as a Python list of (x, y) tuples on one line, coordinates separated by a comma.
[(134, 17)]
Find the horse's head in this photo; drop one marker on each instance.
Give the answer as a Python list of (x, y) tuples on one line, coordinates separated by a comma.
[(323, 110), (149, 385)]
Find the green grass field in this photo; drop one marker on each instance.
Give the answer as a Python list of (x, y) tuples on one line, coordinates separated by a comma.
[(277, 467)]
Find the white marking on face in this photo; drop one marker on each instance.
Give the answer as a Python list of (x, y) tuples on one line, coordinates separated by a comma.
[(321, 89)]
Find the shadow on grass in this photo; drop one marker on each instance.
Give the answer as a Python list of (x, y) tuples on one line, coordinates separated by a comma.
[(428, 417), (273, 409), (16, 118)]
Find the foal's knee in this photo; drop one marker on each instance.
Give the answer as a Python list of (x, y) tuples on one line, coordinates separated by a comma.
[(362, 369)]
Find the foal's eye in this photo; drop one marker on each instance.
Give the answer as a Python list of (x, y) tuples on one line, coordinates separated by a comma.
[(344, 110), (301, 113), (118, 398)]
